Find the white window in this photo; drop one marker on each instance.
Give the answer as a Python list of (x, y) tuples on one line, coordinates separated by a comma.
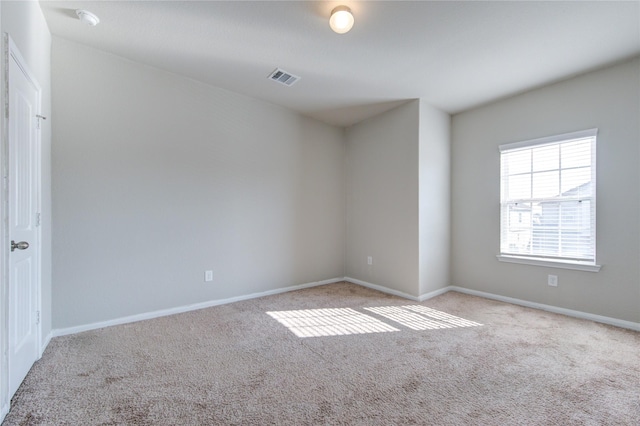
[(548, 200)]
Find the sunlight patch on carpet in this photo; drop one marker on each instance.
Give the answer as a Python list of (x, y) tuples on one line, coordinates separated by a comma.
[(344, 321), (417, 317), (329, 322)]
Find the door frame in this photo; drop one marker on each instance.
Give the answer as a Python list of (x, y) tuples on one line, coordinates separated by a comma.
[(10, 50)]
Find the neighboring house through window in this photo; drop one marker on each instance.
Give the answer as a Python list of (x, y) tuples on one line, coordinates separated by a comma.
[(548, 198)]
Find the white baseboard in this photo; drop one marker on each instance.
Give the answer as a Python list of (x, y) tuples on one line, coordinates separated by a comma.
[(187, 308), (44, 345), (557, 310), (434, 293), (382, 289), (549, 308), (171, 311)]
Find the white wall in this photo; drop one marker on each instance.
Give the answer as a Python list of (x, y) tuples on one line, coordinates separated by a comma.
[(398, 172), (434, 198), (382, 199), (608, 99), (158, 178)]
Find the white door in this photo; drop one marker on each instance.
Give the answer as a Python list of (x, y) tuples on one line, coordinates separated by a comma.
[(23, 217)]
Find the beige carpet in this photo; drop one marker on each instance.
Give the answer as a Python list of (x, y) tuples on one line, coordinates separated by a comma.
[(452, 360)]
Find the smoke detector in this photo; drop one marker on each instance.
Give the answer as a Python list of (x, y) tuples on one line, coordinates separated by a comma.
[(87, 17)]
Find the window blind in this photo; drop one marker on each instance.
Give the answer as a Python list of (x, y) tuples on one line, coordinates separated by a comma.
[(548, 198)]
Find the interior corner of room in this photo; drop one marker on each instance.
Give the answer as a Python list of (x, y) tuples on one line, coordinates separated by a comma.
[(150, 179)]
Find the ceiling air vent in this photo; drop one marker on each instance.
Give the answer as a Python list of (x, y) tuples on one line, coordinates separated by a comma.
[(283, 77)]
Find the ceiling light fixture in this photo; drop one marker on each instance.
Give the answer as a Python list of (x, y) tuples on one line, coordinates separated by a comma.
[(87, 17), (341, 20)]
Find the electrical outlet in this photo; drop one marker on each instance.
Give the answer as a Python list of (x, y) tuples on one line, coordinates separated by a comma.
[(369, 260), (552, 280), (208, 276)]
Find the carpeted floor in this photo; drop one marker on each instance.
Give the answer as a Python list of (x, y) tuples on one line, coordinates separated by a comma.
[(452, 360)]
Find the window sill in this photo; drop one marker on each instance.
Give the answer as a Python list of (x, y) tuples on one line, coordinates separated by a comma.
[(578, 266)]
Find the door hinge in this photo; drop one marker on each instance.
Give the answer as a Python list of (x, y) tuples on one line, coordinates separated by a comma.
[(39, 119), (37, 317), (38, 219)]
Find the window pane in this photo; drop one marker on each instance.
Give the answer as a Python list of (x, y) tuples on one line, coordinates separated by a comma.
[(546, 184), (519, 228), (575, 226), (546, 158), (545, 233), (576, 182), (518, 162), (519, 187), (576, 154), (548, 195)]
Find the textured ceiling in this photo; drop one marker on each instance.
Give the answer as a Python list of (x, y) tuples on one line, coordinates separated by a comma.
[(455, 55)]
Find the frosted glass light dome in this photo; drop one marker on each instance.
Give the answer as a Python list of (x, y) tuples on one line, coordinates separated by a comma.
[(341, 20)]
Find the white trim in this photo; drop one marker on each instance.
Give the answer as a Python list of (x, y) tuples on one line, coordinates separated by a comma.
[(434, 293), (46, 342), (555, 309), (161, 313), (4, 411), (382, 289), (582, 134), (5, 399), (562, 264), (186, 308), (584, 263)]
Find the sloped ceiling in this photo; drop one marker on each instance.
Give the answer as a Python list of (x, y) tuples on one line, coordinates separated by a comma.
[(454, 54)]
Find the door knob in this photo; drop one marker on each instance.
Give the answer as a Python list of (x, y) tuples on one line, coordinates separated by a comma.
[(22, 245)]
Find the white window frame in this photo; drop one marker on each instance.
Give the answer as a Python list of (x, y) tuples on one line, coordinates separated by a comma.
[(564, 263)]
